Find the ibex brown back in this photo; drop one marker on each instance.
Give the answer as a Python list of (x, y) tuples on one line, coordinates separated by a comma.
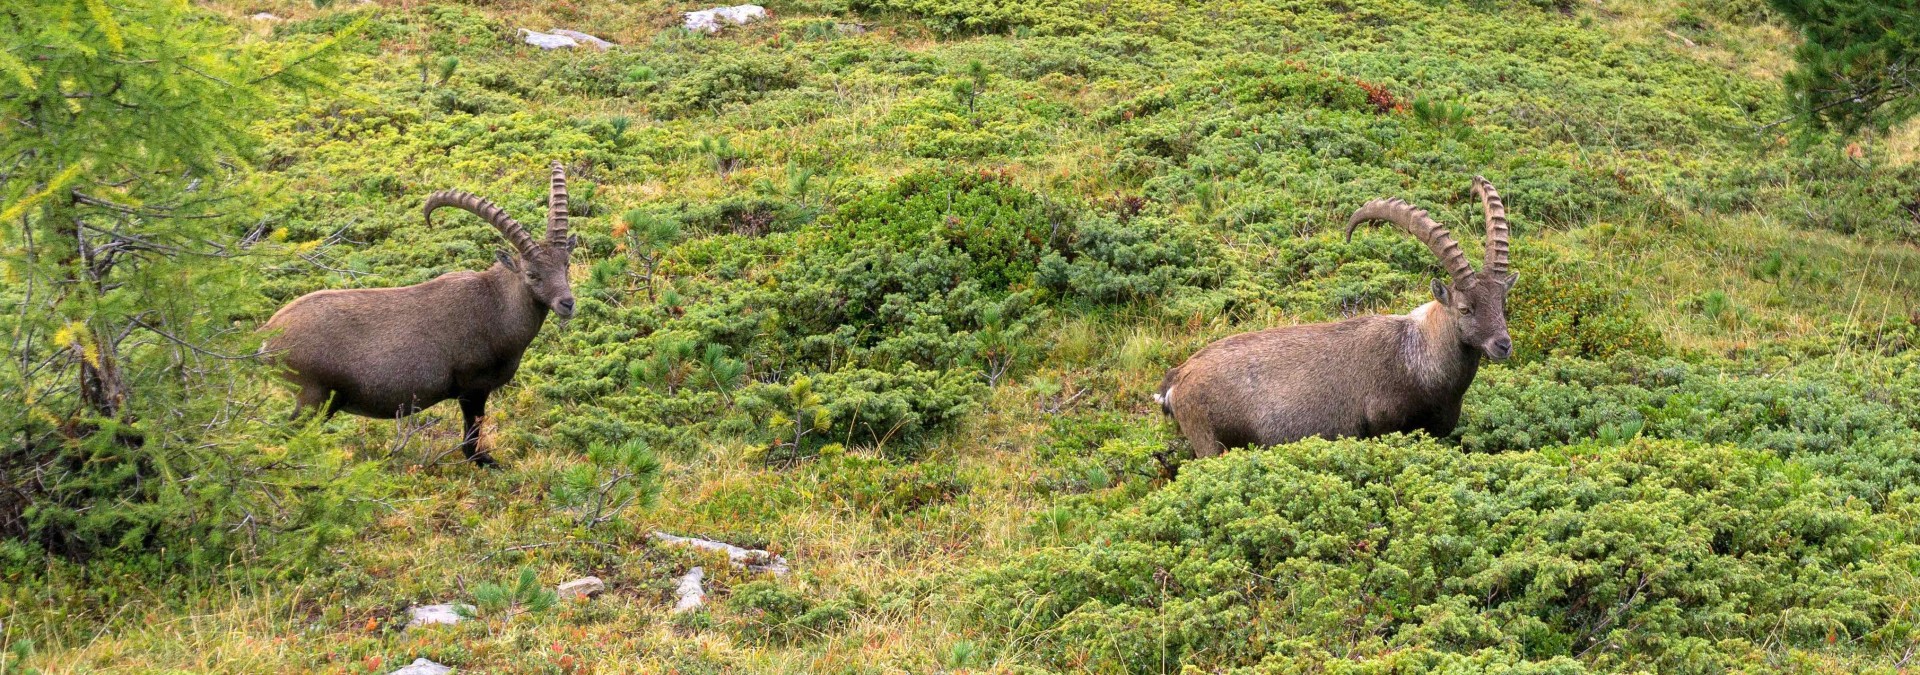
[(1362, 377), (390, 352)]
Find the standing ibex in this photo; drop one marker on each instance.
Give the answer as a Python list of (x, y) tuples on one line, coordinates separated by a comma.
[(390, 352), (1365, 376)]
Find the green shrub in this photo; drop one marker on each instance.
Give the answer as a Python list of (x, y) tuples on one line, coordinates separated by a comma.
[(1854, 435), (613, 479), (173, 502), (769, 612), (1656, 555), (882, 488), (878, 407), (960, 18), (505, 600), (454, 29), (1109, 260), (724, 78), (865, 406), (1554, 313), (1095, 451)]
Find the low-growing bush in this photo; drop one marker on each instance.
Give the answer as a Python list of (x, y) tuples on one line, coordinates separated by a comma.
[(882, 488), (960, 18), (1558, 314), (865, 406), (1403, 552), (769, 612), (723, 78), (1111, 261), (1862, 440)]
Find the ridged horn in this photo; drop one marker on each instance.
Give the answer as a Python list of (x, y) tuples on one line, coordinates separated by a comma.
[(557, 206), (474, 204), (1497, 232), (1415, 222)]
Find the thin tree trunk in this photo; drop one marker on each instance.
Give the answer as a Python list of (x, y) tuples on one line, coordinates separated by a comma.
[(102, 388)]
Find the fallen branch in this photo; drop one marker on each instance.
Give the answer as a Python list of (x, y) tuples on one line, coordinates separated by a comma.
[(752, 559), (691, 595)]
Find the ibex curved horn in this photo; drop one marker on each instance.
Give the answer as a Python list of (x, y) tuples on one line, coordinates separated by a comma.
[(479, 206), (1496, 258), (557, 206), (1415, 222)]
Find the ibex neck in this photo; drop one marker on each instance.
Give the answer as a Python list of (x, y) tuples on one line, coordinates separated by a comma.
[(1433, 353), (518, 306)]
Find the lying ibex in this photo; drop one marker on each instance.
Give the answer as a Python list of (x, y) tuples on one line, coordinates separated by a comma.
[(1362, 377), (390, 352)]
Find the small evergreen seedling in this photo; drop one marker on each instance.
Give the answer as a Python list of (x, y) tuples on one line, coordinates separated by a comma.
[(798, 178), (669, 365), (721, 154), (724, 372), (967, 92), (1447, 115), (649, 237), (792, 412), (505, 601), (443, 69), (614, 479)]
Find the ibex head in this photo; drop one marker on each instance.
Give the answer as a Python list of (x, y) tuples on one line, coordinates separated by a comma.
[(1476, 300), (542, 266)]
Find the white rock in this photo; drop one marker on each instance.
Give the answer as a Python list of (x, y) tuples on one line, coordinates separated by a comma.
[(584, 587), (753, 559), (548, 40), (428, 615), (266, 16), (583, 38), (690, 593), (712, 20), (422, 667), (851, 28)]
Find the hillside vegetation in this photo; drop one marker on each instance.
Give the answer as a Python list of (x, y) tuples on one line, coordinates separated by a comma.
[(884, 286)]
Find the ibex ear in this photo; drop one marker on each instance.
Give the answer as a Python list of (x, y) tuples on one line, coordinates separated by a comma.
[(573, 241), (506, 259), (1512, 277), (1442, 293)]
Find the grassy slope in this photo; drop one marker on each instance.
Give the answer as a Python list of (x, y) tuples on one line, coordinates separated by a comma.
[(1775, 271)]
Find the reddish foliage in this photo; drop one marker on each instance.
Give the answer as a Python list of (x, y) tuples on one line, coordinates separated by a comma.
[(1124, 205), (1382, 100)]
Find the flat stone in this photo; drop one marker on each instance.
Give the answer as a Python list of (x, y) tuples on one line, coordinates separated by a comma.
[(547, 40), (583, 38), (584, 587), (422, 667), (428, 615), (691, 595), (712, 20), (266, 16)]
